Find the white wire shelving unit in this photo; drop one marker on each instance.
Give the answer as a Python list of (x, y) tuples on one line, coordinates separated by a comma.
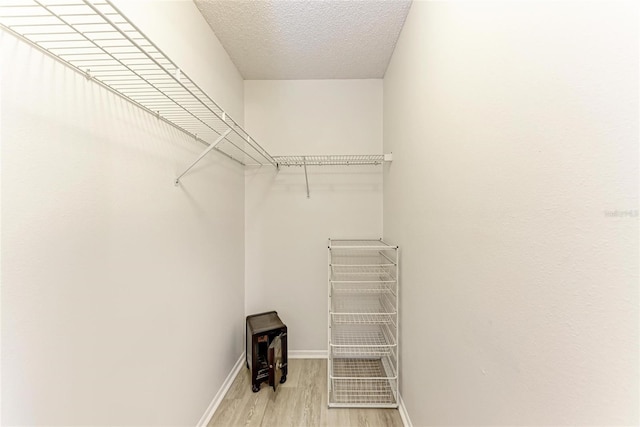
[(96, 39), (363, 324)]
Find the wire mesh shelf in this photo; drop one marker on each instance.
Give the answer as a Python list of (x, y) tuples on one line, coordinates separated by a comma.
[(362, 382), (366, 317), (358, 392), (363, 319), (95, 38), (340, 288), (330, 160), (362, 341), (361, 368), (358, 303), (359, 244), (362, 273), (350, 352), (362, 258), (377, 269), (362, 253)]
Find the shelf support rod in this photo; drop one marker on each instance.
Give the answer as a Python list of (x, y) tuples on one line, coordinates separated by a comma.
[(306, 178), (204, 153)]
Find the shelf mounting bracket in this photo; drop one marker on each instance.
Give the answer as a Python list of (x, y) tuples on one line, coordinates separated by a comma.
[(306, 178), (204, 153)]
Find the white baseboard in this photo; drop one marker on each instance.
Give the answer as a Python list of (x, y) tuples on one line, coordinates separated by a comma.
[(404, 415), (217, 399), (307, 354)]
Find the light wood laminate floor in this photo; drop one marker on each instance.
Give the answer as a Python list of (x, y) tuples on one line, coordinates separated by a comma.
[(301, 401)]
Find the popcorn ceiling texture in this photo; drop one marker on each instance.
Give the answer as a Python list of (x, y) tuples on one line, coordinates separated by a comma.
[(271, 40)]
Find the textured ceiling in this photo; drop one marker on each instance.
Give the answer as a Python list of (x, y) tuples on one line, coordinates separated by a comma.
[(307, 39)]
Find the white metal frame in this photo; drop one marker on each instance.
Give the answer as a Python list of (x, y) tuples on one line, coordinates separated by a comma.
[(96, 39), (363, 321)]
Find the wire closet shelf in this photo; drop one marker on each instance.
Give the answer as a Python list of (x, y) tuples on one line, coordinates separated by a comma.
[(96, 39), (331, 160)]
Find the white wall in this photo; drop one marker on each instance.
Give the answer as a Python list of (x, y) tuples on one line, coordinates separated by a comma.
[(286, 233), (514, 129), (122, 295)]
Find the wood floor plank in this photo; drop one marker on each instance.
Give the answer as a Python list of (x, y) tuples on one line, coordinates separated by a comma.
[(252, 413), (225, 413), (238, 388), (301, 401), (309, 405), (282, 408), (294, 368)]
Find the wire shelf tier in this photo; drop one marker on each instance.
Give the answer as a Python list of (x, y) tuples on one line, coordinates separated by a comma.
[(341, 288), (375, 393), (360, 304), (362, 258), (364, 255), (359, 244), (330, 160), (351, 352), (363, 319), (362, 382), (357, 338), (96, 39), (389, 353), (378, 344), (362, 368), (379, 269), (359, 273)]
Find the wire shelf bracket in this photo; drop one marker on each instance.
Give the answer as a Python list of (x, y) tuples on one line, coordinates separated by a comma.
[(306, 178), (204, 153)]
